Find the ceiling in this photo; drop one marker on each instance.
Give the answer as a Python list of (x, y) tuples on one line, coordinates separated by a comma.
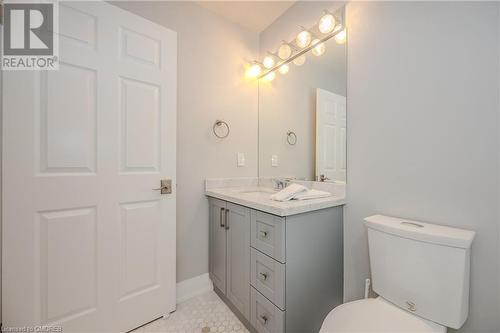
[(254, 15)]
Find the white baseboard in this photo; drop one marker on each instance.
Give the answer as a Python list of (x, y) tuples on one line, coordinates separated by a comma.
[(193, 287)]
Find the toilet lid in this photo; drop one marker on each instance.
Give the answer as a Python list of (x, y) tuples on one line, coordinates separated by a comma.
[(376, 315)]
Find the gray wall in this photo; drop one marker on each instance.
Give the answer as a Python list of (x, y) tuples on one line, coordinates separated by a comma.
[(210, 83), (423, 131)]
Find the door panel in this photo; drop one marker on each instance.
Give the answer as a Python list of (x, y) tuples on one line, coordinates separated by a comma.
[(68, 121), (140, 113), (78, 25), (88, 244), (140, 248), (140, 48), (218, 244), (238, 257), (68, 263)]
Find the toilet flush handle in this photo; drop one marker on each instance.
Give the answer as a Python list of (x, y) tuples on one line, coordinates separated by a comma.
[(412, 224)]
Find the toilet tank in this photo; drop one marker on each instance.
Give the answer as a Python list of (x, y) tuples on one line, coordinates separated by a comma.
[(420, 267)]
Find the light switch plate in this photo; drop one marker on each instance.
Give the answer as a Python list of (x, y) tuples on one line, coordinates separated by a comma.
[(274, 160), (241, 159)]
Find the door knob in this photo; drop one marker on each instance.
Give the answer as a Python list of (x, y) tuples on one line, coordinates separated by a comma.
[(165, 186)]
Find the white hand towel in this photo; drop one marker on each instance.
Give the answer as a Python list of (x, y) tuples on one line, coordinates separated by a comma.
[(311, 194), (288, 192)]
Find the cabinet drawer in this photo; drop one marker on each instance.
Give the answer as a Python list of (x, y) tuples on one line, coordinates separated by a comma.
[(268, 277), (265, 317), (268, 234)]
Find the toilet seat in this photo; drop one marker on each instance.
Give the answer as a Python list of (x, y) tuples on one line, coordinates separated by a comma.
[(376, 315)]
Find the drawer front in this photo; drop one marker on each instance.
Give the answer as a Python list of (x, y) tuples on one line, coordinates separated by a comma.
[(268, 234), (265, 316), (268, 277)]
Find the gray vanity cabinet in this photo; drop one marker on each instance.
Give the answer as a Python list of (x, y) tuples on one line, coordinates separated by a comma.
[(279, 273), (230, 252)]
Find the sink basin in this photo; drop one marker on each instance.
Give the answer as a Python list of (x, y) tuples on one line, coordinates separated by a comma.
[(258, 191)]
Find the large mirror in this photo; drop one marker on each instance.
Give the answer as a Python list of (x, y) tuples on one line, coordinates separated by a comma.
[(302, 114)]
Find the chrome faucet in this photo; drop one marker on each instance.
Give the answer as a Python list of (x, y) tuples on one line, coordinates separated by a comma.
[(322, 178), (281, 183)]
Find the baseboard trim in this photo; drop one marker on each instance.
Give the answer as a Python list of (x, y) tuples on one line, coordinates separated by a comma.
[(193, 287)]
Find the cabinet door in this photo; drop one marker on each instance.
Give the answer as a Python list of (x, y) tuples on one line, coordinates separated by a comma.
[(218, 244), (238, 257)]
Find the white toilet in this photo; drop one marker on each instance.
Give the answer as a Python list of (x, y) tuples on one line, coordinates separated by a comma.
[(420, 272)]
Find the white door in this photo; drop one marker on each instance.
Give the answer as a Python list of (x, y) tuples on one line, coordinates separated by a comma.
[(87, 243), (330, 136)]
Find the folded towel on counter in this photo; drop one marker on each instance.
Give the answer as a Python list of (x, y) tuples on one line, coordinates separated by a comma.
[(311, 194), (289, 192)]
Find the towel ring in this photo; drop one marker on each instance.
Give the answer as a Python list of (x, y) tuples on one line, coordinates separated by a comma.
[(218, 124), (291, 138)]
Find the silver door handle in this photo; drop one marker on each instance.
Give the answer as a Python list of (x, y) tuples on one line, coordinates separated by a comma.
[(263, 233), (264, 276), (165, 186), (264, 319)]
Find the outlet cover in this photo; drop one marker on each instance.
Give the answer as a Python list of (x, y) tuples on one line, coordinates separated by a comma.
[(274, 160)]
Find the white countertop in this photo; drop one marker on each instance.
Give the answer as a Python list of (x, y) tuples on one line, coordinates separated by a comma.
[(258, 198)]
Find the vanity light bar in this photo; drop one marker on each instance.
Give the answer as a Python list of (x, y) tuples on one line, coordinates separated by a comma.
[(298, 54), (318, 33)]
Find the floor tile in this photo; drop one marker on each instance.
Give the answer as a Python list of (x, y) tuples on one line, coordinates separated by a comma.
[(205, 313)]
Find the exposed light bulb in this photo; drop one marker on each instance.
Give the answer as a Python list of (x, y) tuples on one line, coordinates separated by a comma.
[(338, 27), (269, 77), (303, 39), (326, 23), (299, 61), (254, 70), (268, 61), (285, 51), (341, 37), (284, 69), (319, 48)]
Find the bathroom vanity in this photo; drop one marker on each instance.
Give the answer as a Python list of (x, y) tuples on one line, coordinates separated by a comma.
[(278, 265)]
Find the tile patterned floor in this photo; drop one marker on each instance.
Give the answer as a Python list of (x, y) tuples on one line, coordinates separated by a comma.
[(202, 314)]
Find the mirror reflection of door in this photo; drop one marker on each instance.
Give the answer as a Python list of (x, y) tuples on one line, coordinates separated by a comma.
[(330, 136)]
